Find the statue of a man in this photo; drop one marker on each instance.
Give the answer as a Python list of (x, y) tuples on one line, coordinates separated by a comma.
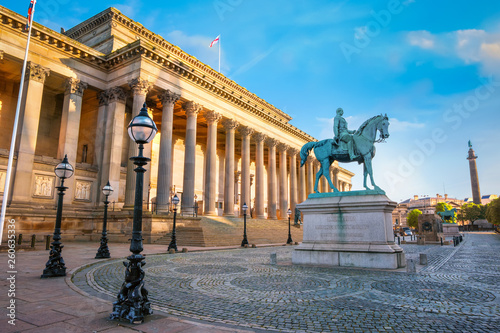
[(342, 133)]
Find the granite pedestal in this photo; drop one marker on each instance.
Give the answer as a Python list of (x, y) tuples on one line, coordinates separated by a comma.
[(352, 229)]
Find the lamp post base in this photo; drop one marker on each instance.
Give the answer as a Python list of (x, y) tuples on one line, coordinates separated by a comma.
[(103, 251), (55, 266), (132, 304)]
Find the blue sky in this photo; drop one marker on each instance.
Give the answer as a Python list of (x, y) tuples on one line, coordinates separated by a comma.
[(433, 67)]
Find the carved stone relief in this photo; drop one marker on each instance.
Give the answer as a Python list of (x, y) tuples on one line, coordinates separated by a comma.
[(44, 186), (83, 190)]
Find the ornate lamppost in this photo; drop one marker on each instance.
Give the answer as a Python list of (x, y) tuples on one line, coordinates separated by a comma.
[(55, 265), (103, 251), (173, 241), (289, 241), (132, 301), (244, 241)]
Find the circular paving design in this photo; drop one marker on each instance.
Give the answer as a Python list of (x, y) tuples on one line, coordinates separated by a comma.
[(455, 292)]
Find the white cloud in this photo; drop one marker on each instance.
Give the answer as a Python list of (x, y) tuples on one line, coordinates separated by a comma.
[(403, 126), (422, 39)]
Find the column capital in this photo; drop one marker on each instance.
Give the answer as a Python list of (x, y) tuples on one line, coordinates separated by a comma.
[(168, 97), (282, 147), (116, 94), (245, 130), (230, 124), (310, 159), (75, 86), (212, 117), (293, 151), (140, 86), (103, 98), (336, 170), (271, 142), (36, 72), (259, 137), (191, 108)]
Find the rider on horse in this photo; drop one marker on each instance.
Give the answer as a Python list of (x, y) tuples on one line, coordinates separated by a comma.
[(342, 133)]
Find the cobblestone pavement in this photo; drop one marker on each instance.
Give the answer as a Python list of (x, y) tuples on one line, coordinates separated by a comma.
[(458, 291)]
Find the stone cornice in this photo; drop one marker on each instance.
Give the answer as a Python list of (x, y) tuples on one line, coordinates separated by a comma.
[(170, 57)]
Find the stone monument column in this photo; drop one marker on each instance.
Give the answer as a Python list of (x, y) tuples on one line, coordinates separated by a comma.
[(113, 140), (474, 179), (70, 127), (302, 183), (140, 89), (259, 174), (187, 204), (168, 100), (271, 179), (293, 179), (27, 131), (283, 182), (245, 132), (209, 199), (229, 125)]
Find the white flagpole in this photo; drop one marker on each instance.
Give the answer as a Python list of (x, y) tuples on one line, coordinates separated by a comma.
[(219, 53), (6, 189)]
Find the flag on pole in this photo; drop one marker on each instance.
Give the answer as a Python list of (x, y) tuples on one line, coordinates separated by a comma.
[(215, 41), (31, 9)]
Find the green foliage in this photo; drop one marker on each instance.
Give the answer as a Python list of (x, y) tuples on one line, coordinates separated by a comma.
[(473, 212), (493, 212), (440, 207), (412, 218)]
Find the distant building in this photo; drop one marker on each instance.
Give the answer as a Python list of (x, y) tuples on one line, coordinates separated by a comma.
[(485, 199)]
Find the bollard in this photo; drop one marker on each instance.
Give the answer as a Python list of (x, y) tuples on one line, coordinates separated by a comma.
[(47, 242), (454, 241), (20, 239), (399, 240), (171, 251), (254, 246), (423, 259), (184, 250), (461, 239), (33, 240), (441, 241), (273, 258), (410, 266)]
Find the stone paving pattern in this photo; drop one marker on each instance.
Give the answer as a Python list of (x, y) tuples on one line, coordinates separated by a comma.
[(458, 291)]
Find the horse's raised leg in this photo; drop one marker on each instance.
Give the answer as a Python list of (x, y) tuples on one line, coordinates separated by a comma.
[(326, 172)]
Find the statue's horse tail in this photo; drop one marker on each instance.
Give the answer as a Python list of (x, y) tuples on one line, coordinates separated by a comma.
[(304, 151)]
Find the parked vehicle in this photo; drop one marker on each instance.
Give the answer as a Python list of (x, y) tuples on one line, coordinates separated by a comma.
[(407, 233)]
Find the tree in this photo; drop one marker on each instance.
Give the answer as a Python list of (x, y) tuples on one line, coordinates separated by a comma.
[(443, 206), (412, 218), (473, 212), (493, 212)]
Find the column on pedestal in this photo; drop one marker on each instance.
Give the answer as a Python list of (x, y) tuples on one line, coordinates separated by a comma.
[(230, 126), (27, 130), (259, 174), (70, 127), (192, 109), (140, 89), (168, 100), (245, 132), (111, 148), (293, 179), (209, 199), (336, 178), (302, 183), (271, 179), (283, 180)]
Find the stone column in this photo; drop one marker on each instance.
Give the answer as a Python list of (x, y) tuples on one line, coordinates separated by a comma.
[(168, 100), (283, 182), (211, 176), (259, 175), (245, 167), (187, 204), (229, 125), (293, 179), (302, 183), (27, 131), (140, 89), (99, 140), (70, 127), (310, 175), (336, 178), (112, 140), (271, 179)]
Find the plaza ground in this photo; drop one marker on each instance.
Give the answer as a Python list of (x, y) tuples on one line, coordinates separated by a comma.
[(238, 290)]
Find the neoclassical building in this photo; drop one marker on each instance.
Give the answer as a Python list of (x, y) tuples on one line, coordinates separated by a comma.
[(218, 146)]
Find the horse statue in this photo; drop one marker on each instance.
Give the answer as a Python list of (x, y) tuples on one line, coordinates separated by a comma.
[(327, 152), (447, 214)]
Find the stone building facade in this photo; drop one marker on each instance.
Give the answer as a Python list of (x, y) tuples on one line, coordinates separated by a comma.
[(218, 144)]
